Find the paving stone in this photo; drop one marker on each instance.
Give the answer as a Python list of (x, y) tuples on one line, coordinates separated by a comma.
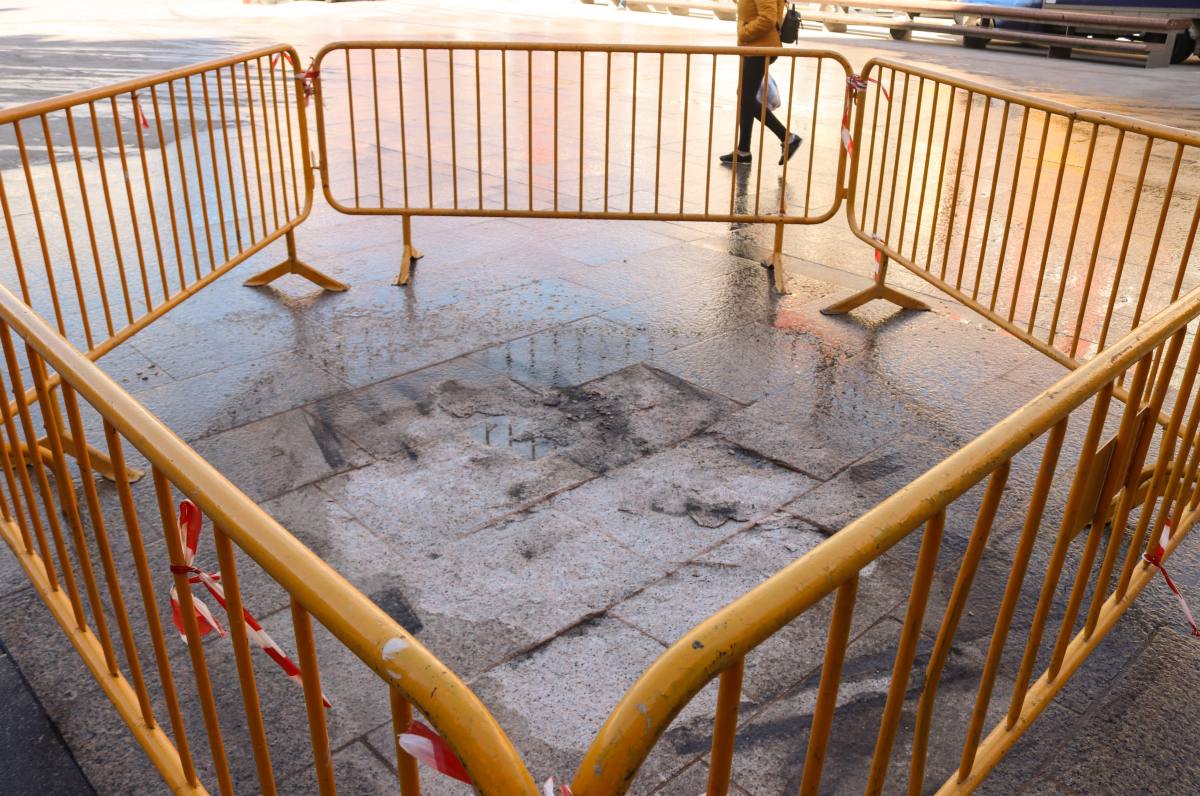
[(679, 316), (35, 759), (407, 498), (865, 483), (239, 394), (595, 249), (601, 659), (280, 453), (331, 533), (516, 584), (823, 425), (677, 503), (358, 770), (670, 608), (667, 274), (771, 745), (747, 363), (215, 335), (1135, 734), (569, 355), (379, 345), (73, 700)]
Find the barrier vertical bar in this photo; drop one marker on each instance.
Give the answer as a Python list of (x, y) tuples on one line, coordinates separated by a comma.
[(91, 228), (729, 694), (195, 644), (149, 601)]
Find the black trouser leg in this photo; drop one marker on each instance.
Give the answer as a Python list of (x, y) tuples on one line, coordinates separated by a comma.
[(753, 70)]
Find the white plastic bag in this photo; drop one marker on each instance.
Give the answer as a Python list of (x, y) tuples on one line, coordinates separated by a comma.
[(773, 100)]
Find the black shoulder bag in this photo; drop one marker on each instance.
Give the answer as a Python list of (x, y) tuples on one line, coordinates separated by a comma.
[(789, 29)]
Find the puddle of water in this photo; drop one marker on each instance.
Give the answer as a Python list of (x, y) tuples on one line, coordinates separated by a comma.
[(504, 432)]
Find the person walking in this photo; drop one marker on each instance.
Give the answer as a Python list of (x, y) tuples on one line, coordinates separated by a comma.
[(758, 26)]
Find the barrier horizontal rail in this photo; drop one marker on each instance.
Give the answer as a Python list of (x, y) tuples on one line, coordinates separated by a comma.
[(586, 131), (1064, 227), (128, 199), (1131, 481)]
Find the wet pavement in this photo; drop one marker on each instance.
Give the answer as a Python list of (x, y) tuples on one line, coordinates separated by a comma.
[(566, 442)]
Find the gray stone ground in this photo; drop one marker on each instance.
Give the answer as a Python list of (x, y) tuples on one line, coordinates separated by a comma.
[(566, 443)]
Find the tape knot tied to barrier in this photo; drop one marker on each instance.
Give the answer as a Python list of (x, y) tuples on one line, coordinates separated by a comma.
[(138, 116), (306, 79), (856, 84), (191, 524), (1155, 560), (429, 748)]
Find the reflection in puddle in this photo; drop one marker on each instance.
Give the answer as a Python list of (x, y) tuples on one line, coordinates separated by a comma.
[(503, 432)]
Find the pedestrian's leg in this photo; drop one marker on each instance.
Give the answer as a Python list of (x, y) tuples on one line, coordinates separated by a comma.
[(752, 78)]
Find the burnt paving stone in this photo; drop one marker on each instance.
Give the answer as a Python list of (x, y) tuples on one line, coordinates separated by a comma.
[(280, 453), (450, 489), (668, 609), (634, 412), (681, 501), (453, 399)]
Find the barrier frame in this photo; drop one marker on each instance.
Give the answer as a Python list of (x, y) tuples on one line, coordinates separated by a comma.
[(410, 254), (412, 673)]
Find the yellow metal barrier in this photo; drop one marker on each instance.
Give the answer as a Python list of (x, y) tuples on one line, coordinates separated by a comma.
[(1125, 489), (114, 240), (587, 131), (1064, 227), (1095, 237), (58, 546)]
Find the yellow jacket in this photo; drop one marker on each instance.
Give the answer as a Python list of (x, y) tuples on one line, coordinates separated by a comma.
[(758, 23)]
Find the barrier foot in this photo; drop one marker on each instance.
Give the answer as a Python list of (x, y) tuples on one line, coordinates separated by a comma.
[(409, 257), (876, 291), (775, 264), (870, 294), (99, 460), (775, 261), (293, 265)]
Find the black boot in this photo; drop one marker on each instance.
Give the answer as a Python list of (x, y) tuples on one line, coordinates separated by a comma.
[(790, 148)]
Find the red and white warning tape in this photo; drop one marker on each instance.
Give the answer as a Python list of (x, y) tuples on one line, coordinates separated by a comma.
[(138, 116), (854, 85), (308, 76), (431, 749), (1155, 560), (191, 523)]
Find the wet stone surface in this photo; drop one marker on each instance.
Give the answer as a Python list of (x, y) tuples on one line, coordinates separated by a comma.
[(550, 482), (561, 446)]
